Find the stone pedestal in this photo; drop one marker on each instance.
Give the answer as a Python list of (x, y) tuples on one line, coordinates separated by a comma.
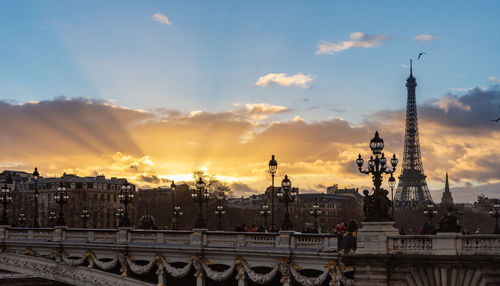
[(372, 237), (446, 243)]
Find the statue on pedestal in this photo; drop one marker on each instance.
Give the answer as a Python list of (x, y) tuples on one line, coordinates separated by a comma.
[(449, 222)]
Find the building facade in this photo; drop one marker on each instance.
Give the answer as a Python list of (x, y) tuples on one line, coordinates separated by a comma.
[(99, 195)]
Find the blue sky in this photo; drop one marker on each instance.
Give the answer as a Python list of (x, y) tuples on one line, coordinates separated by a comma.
[(213, 53), (152, 90)]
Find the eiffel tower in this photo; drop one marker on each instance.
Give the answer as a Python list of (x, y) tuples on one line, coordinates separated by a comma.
[(412, 189)]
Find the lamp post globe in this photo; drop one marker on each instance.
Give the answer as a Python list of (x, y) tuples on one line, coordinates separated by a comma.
[(200, 195), (286, 195), (172, 190), (61, 197), (5, 199), (85, 216), (376, 205), (35, 176), (22, 220), (126, 196), (494, 212), (392, 183), (273, 167), (316, 212), (265, 212)]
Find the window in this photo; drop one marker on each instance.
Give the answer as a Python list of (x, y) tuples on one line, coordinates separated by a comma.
[(95, 197), (102, 197), (84, 185), (114, 198), (108, 197), (48, 197)]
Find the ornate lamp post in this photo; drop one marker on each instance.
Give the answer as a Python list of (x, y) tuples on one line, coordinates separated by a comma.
[(174, 218), (494, 213), (273, 167), (61, 197), (200, 195), (376, 206), (392, 183), (430, 211), (85, 216), (177, 213), (52, 217), (126, 196), (315, 212), (36, 176), (220, 212), (265, 212), (119, 214), (286, 195), (22, 220), (5, 199)]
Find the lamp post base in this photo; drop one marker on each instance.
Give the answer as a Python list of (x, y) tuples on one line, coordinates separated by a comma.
[(287, 224), (200, 223)]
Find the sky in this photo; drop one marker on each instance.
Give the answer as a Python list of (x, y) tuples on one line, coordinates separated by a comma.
[(153, 90)]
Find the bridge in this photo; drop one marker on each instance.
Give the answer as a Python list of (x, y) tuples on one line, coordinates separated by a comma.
[(199, 257), (142, 257)]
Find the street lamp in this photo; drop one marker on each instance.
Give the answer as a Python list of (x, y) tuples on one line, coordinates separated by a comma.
[(315, 212), (273, 167), (177, 213), (119, 213), (265, 212), (392, 183), (5, 199), (85, 215), (22, 220), (494, 213), (61, 197), (36, 176), (52, 217), (430, 211), (126, 196), (286, 194), (174, 218), (376, 206), (220, 212), (200, 195)]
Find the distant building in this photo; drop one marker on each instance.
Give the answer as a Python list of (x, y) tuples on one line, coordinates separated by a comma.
[(98, 195), (446, 199), (352, 192)]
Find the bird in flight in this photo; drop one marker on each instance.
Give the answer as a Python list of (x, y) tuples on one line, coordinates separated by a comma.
[(496, 119), (419, 55)]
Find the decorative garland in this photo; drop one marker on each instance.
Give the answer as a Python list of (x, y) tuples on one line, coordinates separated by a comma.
[(260, 278), (309, 281), (285, 267)]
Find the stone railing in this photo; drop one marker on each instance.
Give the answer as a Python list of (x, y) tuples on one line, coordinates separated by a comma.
[(195, 238), (444, 244)]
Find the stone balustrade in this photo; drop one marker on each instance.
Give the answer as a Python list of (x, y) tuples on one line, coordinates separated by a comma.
[(197, 237), (444, 244)]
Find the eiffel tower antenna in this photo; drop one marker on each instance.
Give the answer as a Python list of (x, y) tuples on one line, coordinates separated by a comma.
[(412, 189)]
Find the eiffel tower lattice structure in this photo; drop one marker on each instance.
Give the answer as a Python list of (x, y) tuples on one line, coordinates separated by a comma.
[(412, 189)]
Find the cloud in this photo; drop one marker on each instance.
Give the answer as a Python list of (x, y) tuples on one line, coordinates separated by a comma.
[(494, 79), (88, 137), (425, 38), (357, 40), (449, 100), (160, 18), (263, 110), (299, 80)]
